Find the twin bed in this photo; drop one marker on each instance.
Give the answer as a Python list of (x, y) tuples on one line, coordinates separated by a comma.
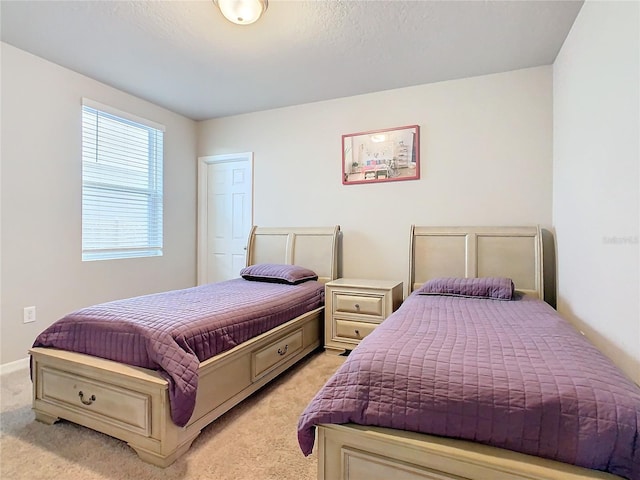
[(154, 370), (449, 387), (461, 383)]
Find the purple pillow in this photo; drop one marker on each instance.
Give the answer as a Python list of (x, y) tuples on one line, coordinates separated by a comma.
[(499, 288), (277, 273)]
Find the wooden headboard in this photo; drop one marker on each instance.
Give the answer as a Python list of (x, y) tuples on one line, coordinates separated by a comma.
[(312, 247), (513, 252)]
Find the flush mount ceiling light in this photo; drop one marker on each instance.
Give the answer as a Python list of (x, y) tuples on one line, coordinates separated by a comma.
[(242, 12)]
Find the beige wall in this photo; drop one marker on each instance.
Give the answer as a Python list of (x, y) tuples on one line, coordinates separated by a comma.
[(486, 153), (596, 210), (41, 201)]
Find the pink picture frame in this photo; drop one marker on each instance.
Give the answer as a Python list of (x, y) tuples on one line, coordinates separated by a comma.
[(386, 155)]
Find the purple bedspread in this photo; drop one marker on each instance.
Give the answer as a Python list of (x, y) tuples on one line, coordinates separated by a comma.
[(512, 374), (173, 332)]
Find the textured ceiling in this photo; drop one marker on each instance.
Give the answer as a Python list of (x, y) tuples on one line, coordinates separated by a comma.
[(183, 55)]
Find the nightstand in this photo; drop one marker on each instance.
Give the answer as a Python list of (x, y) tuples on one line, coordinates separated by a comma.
[(354, 308)]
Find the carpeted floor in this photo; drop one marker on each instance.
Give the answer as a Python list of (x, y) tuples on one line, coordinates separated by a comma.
[(256, 440)]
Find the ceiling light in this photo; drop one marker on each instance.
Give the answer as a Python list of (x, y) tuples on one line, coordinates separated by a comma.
[(242, 12)]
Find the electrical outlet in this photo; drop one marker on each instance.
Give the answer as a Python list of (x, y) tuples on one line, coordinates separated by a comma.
[(29, 314)]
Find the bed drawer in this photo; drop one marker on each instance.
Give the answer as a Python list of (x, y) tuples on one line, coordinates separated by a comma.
[(346, 329), (360, 304), (104, 402), (269, 357)]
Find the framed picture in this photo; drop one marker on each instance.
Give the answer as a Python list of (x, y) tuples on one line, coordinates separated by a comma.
[(386, 155)]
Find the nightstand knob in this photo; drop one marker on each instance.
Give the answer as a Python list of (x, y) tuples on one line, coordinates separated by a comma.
[(357, 332), (357, 305)]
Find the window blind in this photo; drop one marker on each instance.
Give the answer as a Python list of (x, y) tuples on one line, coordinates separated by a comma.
[(122, 161)]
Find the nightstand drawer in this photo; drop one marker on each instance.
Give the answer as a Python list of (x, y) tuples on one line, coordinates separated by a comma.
[(354, 308), (359, 304), (353, 330)]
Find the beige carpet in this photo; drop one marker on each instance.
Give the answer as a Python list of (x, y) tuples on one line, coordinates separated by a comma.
[(256, 440)]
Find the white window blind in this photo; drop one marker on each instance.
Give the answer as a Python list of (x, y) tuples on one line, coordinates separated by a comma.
[(121, 184)]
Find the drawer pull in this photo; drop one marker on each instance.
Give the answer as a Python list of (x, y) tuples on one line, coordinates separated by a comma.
[(357, 332), (92, 398), (281, 352), (357, 305)]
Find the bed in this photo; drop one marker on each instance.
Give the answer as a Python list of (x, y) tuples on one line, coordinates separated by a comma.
[(434, 392), (134, 404), (375, 169)]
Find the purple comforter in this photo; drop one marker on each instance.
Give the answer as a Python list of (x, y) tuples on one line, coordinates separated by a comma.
[(173, 332), (511, 374)]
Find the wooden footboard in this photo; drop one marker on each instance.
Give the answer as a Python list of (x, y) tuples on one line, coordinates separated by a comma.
[(355, 452), (132, 404)]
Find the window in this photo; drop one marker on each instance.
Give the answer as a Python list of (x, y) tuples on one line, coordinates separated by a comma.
[(121, 184)]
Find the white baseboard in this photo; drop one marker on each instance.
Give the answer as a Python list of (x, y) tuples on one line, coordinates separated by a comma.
[(14, 366)]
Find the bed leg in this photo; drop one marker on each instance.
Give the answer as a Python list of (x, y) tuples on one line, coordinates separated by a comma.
[(163, 461), (46, 418)]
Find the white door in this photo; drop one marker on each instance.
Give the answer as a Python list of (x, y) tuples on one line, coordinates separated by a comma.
[(225, 204)]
